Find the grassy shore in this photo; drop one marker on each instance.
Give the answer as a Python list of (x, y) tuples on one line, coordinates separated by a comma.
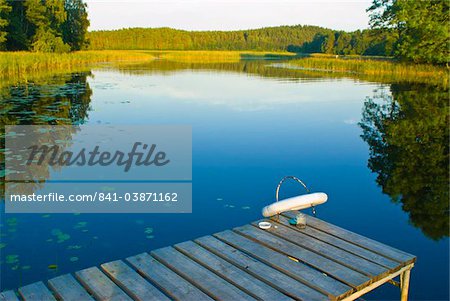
[(218, 56), (20, 66), (24, 64), (373, 67)]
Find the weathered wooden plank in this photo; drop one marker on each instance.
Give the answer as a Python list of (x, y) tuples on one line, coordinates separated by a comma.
[(131, 282), (327, 266), (168, 281), (343, 257), (209, 282), (66, 288), (287, 274), (8, 296), (231, 273), (99, 285), (36, 292), (347, 246), (364, 242)]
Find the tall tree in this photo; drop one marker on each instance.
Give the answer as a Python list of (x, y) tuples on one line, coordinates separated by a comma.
[(46, 18), (5, 9), (421, 28), (74, 28), (328, 43)]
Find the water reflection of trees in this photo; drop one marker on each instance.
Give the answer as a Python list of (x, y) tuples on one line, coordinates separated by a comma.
[(62, 100), (274, 69), (408, 134)]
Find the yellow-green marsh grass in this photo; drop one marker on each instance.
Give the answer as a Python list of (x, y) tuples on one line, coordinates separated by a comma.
[(375, 68), (23, 64), (218, 56)]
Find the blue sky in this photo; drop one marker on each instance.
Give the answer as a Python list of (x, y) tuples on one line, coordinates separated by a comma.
[(227, 15)]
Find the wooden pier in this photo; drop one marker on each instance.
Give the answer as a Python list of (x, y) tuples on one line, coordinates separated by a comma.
[(320, 262)]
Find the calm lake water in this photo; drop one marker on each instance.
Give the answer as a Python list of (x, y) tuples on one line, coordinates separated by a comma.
[(379, 150)]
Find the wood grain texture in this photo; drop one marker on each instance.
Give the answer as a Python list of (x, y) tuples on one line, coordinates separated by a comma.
[(66, 288), (8, 296), (387, 251), (325, 265), (167, 280), (342, 244), (230, 272), (100, 286), (280, 272), (131, 282), (213, 285), (36, 292), (352, 261)]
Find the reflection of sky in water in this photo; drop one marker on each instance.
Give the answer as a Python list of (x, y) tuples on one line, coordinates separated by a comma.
[(232, 91), (248, 132)]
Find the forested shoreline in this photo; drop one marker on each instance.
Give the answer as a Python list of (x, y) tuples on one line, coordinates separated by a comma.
[(298, 38), (412, 31)]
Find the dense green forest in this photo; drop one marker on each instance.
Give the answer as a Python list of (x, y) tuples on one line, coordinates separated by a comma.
[(415, 31), (43, 26), (291, 38)]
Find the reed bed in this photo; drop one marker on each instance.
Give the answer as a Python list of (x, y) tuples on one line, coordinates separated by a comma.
[(219, 56), (24, 64), (376, 67)]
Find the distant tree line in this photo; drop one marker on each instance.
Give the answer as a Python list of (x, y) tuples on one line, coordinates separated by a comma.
[(306, 39), (365, 42), (271, 38), (43, 25)]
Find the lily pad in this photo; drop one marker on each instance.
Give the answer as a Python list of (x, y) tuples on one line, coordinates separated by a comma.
[(11, 259)]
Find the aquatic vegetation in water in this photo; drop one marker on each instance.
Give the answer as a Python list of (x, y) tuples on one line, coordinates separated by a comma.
[(148, 231), (60, 236), (45, 216), (63, 238), (11, 222), (2, 245), (56, 231), (11, 259), (52, 267), (80, 225)]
